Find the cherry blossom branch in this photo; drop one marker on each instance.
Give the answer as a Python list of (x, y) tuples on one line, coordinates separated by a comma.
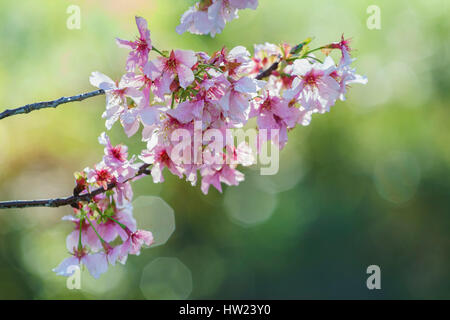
[(49, 104), (80, 97), (265, 73), (71, 200)]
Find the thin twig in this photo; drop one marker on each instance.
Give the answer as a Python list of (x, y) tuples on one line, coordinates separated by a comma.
[(265, 73), (49, 104), (274, 66), (71, 200)]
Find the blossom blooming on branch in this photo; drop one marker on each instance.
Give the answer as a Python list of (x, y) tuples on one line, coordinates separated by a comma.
[(140, 48), (273, 112), (210, 16), (107, 217), (314, 88), (187, 103), (166, 69)]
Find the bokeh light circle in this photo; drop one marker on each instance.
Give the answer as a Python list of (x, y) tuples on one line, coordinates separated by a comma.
[(397, 176), (166, 278), (155, 215), (248, 205)]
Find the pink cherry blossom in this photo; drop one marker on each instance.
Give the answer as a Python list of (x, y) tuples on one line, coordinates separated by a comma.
[(136, 240), (145, 84), (238, 62), (244, 4), (117, 106), (210, 16), (114, 156), (109, 230), (178, 64), (223, 11), (187, 111), (131, 115), (101, 175), (236, 101), (95, 263), (347, 76), (215, 175), (140, 48), (204, 106), (195, 21), (159, 157), (273, 112), (315, 88), (116, 93), (110, 254), (242, 154), (88, 236), (344, 46), (125, 174)]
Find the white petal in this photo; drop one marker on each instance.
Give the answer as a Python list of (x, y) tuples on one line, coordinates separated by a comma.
[(101, 81)]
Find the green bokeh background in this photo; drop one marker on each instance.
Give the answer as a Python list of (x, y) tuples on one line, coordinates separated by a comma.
[(367, 183)]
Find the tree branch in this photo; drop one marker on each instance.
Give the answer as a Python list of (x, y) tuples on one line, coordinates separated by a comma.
[(71, 200), (265, 73), (49, 104), (54, 103)]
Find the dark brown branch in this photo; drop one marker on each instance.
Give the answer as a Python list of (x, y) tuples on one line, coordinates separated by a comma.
[(71, 200), (265, 73), (49, 104)]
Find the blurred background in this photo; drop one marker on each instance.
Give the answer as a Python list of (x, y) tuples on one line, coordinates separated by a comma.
[(367, 183)]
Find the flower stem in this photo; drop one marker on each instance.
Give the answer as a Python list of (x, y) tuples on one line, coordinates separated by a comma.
[(314, 58), (95, 230), (153, 48), (173, 101), (124, 227), (79, 236), (313, 50), (203, 65)]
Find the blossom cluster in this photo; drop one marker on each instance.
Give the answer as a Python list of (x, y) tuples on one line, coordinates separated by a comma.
[(181, 93), (210, 16), (105, 231)]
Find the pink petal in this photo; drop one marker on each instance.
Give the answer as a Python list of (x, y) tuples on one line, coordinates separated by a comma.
[(63, 268), (143, 28), (149, 115), (185, 75), (186, 57), (72, 240), (96, 264), (154, 68), (145, 236), (125, 44)]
